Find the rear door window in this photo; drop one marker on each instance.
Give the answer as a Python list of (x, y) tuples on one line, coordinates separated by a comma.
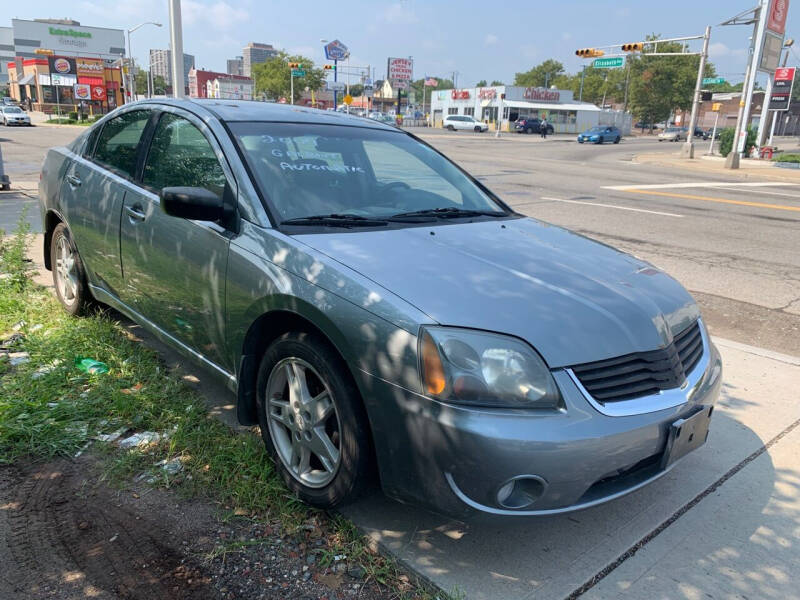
[(118, 143)]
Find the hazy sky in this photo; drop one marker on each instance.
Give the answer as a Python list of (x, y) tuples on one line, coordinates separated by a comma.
[(479, 40)]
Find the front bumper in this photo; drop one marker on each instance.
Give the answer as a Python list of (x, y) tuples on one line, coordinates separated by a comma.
[(454, 459), (18, 121)]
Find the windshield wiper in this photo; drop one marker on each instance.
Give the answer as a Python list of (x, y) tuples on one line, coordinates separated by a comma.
[(336, 220), (450, 212)]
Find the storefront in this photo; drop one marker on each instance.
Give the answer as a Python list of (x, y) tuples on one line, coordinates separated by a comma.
[(558, 106), (63, 84)]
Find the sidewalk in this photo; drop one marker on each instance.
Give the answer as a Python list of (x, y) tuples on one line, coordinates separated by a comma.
[(715, 165)]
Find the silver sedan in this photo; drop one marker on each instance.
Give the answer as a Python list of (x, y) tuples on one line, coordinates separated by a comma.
[(377, 310)]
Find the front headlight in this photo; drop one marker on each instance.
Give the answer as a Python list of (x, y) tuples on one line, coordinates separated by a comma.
[(484, 369)]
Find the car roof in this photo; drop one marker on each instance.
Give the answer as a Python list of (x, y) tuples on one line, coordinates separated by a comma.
[(250, 110)]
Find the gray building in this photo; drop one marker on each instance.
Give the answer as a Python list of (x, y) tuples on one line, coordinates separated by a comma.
[(65, 37), (160, 64), (255, 53), (235, 66)]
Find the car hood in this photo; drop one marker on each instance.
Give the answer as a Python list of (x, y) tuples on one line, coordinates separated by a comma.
[(573, 299)]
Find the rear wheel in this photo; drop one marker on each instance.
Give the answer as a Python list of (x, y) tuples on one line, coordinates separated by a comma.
[(478, 129), (616, 140), (529, 130), (451, 127), (69, 275), (312, 420)]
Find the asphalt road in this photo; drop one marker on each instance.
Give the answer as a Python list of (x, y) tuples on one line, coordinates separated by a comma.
[(735, 247), (724, 522)]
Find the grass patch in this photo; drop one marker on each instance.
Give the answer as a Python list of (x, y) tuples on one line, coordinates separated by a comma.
[(49, 408), (787, 158)]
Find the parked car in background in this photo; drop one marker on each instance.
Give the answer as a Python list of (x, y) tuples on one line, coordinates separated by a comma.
[(673, 134), (382, 118), (531, 125), (9, 101), (701, 133), (463, 122), (375, 309), (14, 115), (600, 135)]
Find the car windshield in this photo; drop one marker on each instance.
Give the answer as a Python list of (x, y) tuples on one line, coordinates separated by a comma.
[(12, 109), (673, 129), (307, 170), (596, 129)]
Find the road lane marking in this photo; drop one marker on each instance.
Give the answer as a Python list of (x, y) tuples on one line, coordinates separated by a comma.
[(769, 193), (652, 212), (710, 199), (696, 184)]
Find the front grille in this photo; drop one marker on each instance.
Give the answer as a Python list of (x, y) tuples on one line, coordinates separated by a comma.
[(643, 373)]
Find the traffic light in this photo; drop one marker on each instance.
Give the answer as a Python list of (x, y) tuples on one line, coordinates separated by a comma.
[(329, 67), (633, 47), (589, 53), (295, 65)]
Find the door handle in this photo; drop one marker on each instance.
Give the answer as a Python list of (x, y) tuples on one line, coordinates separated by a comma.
[(136, 212), (73, 180)]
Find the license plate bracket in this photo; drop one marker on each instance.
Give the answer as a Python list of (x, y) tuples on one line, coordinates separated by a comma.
[(686, 434)]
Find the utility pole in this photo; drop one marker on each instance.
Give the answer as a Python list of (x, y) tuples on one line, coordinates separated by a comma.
[(176, 41), (583, 75), (688, 147), (740, 132)]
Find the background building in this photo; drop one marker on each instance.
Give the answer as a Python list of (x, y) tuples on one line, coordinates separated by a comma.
[(65, 37), (233, 84), (235, 66), (160, 64), (255, 53)]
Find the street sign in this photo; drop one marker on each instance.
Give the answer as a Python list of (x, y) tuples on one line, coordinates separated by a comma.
[(348, 99), (369, 91), (336, 86), (608, 63), (298, 73), (336, 50), (713, 81), (781, 88)]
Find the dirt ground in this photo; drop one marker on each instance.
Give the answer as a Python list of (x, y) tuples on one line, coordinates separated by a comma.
[(66, 535)]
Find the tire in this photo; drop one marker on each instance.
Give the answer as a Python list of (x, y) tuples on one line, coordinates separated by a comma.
[(289, 430), (529, 130), (616, 140), (451, 127), (600, 140), (69, 274), (660, 140), (478, 129)]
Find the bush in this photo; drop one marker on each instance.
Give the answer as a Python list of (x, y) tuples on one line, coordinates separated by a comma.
[(726, 140), (73, 116), (787, 158)]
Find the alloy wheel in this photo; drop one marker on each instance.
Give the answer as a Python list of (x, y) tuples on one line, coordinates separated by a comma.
[(304, 422), (66, 272)]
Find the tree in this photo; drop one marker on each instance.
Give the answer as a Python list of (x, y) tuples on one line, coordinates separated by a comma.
[(356, 89), (496, 82), (273, 78), (542, 75), (159, 85), (662, 84), (481, 83)]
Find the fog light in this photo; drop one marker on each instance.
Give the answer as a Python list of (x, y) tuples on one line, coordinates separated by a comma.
[(521, 492)]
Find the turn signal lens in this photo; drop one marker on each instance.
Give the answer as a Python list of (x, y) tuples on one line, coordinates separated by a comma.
[(432, 368)]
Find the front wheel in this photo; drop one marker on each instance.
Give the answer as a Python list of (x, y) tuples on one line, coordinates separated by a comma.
[(600, 140), (478, 129), (616, 140), (69, 275), (312, 420)]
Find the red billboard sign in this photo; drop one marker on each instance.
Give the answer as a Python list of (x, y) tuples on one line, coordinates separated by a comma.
[(776, 17), (782, 88), (541, 94), (98, 92), (460, 94)]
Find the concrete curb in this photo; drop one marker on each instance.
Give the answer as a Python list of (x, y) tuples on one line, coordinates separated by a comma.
[(712, 167)]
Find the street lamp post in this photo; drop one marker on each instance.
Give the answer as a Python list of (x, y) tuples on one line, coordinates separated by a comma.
[(131, 76)]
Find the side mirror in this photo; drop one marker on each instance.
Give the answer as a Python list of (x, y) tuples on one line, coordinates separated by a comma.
[(192, 203)]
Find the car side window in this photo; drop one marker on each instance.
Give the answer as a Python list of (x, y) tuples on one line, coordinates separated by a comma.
[(180, 155), (118, 142)]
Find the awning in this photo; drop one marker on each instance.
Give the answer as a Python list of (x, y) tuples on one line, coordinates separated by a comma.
[(27, 79), (551, 105)]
